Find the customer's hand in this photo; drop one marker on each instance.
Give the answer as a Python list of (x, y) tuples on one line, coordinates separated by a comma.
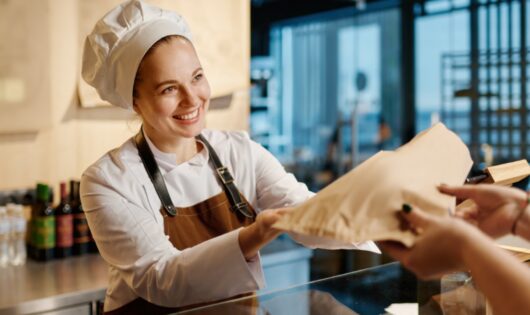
[(495, 208), (261, 232), (438, 248)]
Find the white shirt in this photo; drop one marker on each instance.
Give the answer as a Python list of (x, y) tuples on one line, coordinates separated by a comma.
[(122, 209)]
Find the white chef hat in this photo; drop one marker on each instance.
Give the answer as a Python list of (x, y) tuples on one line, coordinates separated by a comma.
[(115, 47)]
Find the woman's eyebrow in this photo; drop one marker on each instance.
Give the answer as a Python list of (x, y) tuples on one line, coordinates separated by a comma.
[(158, 85), (165, 82)]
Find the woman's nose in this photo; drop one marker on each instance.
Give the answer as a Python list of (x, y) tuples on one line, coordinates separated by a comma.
[(189, 97)]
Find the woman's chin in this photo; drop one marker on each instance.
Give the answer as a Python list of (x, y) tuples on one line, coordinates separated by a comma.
[(190, 131)]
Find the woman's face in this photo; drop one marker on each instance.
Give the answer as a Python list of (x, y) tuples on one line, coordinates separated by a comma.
[(171, 91)]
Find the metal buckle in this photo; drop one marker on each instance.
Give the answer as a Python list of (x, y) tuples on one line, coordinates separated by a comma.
[(225, 175), (170, 210), (243, 209)]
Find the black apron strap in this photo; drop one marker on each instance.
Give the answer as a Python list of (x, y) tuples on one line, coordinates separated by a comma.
[(151, 167), (226, 180)]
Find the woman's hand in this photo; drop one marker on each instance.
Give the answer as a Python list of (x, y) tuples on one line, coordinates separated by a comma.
[(439, 247), (253, 237), (495, 209)]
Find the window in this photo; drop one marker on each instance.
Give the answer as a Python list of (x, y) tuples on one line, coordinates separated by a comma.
[(482, 96), (337, 83)]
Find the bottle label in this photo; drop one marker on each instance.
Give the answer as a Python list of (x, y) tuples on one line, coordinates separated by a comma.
[(81, 232), (43, 232), (65, 230)]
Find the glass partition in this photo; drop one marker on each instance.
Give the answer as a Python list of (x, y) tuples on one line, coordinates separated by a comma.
[(368, 291)]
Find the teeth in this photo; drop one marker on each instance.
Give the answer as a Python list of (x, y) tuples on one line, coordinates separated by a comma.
[(189, 116)]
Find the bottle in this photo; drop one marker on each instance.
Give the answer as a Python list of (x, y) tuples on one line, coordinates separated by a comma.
[(17, 244), (4, 237), (81, 232), (43, 226), (64, 228)]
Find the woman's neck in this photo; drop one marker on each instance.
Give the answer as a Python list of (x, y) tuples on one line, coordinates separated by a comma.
[(183, 148)]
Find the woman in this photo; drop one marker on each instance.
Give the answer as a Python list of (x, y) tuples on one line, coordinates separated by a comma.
[(450, 244), (175, 211)]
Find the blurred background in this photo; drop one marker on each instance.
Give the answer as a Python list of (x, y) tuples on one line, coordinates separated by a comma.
[(336, 81)]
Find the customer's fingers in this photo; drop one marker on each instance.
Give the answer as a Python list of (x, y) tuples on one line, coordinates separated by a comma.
[(417, 217), (469, 212), (460, 192)]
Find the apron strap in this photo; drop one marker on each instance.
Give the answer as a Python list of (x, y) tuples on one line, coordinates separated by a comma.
[(151, 167), (237, 205)]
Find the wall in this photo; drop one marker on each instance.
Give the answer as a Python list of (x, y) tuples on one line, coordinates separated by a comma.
[(75, 137)]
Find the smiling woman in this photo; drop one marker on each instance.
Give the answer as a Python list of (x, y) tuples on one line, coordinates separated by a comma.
[(178, 211)]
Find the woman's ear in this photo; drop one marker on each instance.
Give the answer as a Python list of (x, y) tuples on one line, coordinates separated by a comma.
[(135, 107)]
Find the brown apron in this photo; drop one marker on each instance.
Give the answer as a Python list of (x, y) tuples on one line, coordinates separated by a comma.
[(190, 226)]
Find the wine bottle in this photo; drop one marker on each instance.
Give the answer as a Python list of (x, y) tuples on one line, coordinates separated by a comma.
[(64, 225), (42, 226), (81, 232)]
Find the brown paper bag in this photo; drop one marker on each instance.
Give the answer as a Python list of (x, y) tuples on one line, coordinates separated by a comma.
[(362, 205)]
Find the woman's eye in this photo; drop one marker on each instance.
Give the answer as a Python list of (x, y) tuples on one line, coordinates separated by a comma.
[(198, 77), (169, 89)]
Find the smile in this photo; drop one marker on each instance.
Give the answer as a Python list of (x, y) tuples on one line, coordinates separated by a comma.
[(189, 116)]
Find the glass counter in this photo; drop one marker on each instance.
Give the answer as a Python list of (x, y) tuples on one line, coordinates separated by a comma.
[(368, 291)]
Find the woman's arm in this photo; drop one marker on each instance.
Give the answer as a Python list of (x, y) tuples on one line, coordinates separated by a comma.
[(275, 188), (502, 278), (448, 244), (134, 244)]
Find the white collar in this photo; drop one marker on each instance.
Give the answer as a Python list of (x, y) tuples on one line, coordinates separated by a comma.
[(168, 161)]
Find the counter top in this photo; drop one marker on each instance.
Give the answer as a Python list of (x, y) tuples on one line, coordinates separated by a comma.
[(76, 282), (40, 287)]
